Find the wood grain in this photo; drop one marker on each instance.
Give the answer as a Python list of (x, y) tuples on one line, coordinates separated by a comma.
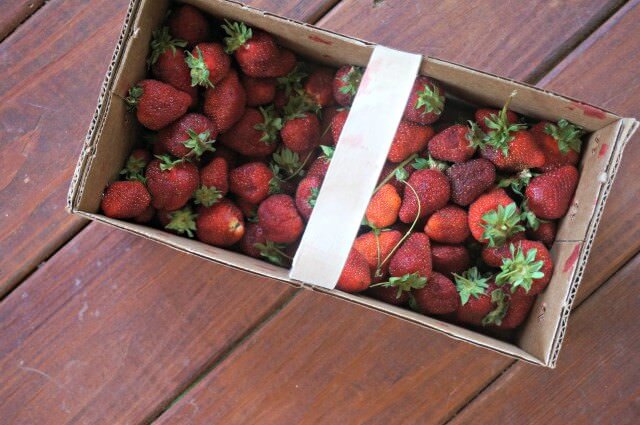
[(115, 327), (597, 377), (14, 12)]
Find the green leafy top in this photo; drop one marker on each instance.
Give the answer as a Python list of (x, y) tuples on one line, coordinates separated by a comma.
[(183, 221), (135, 93), (311, 200), (237, 34), (429, 163), (273, 252), (520, 270), (134, 169), (495, 316), (500, 129), (529, 217), (475, 135), (430, 100), (298, 105), (566, 134), (292, 82), (270, 126), (404, 283), (518, 182), (470, 283), (199, 143), (351, 80), (199, 71), (327, 151), (207, 195), (285, 160), (161, 42), (501, 224), (168, 162)]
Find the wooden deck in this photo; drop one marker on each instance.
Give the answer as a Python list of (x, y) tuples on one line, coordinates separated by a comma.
[(98, 326)]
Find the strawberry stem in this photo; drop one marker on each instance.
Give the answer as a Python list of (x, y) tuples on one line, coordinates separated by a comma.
[(393, 172)]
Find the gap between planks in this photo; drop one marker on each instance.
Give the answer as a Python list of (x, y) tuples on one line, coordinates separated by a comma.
[(32, 8)]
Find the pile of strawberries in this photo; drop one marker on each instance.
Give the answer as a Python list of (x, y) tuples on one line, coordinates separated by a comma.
[(240, 136)]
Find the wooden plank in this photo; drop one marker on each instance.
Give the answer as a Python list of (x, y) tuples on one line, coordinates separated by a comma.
[(115, 327), (597, 377), (302, 10), (512, 40), (15, 12)]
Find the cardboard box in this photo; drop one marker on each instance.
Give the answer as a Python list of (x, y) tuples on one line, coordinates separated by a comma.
[(113, 133)]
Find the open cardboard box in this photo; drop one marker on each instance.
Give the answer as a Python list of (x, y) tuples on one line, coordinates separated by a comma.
[(113, 133)]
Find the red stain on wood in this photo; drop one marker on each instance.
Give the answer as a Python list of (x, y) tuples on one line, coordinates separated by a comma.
[(590, 111), (320, 40), (603, 150), (568, 265)]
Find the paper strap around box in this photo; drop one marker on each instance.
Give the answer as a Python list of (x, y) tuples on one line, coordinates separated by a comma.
[(355, 167)]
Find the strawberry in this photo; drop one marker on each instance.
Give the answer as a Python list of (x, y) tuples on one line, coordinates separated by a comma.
[(248, 209), (377, 247), (214, 182), (475, 296), (559, 142), (181, 222), (426, 102), (225, 103), (484, 114), (257, 52), (389, 295), (147, 215), (337, 124), (452, 144), (449, 259), (136, 163), (518, 309), (171, 182), (190, 24), (253, 235), (448, 225), (190, 136), (168, 64), (126, 199), (526, 269), (326, 138), (221, 224), (319, 86), (306, 195), (549, 195), (355, 276), (492, 256), (208, 64), (260, 91), (251, 181), (438, 296), (383, 207), (470, 179), (320, 166), (157, 104), (425, 191), (410, 138), (494, 217), (346, 83), (412, 257), (228, 155), (280, 220), (301, 132), (256, 134), (389, 171), (545, 233)]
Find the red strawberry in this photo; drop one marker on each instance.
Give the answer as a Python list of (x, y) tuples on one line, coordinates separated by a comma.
[(214, 182), (248, 209), (157, 104), (475, 296), (521, 152), (256, 134), (168, 64), (426, 102), (449, 259), (136, 163), (389, 295), (432, 190), (301, 132), (413, 257), (319, 86), (192, 135), (517, 311), (208, 64), (527, 269), (221, 224), (225, 103), (147, 215), (346, 83), (448, 225), (409, 139), (171, 183), (545, 233), (549, 195), (389, 170), (470, 179), (188, 23), (492, 256), (337, 124), (126, 199), (559, 142), (452, 144), (253, 234), (494, 217), (355, 276), (484, 114), (438, 296), (377, 249), (319, 167), (306, 195), (326, 138), (383, 207), (260, 91), (251, 182), (280, 220)]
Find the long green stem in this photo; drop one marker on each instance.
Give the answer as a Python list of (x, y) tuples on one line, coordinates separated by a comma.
[(393, 172)]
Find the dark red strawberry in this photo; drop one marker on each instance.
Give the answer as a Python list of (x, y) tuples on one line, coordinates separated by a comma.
[(190, 136), (559, 142), (484, 114), (232, 157), (346, 83), (221, 224), (280, 220), (147, 215), (389, 295), (337, 123), (319, 86), (494, 218), (126, 199), (377, 248), (301, 132), (517, 312), (260, 91), (306, 195), (545, 233), (383, 207), (426, 102), (157, 104), (171, 182), (492, 256), (188, 23), (549, 195), (413, 257), (253, 234), (256, 134), (425, 191), (355, 276), (249, 210), (452, 144), (448, 225), (438, 296), (251, 182), (136, 163), (470, 179), (475, 296), (208, 63), (449, 259), (527, 269), (214, 182), (410, 138), (326, 138), (225, 103), (319, 167)]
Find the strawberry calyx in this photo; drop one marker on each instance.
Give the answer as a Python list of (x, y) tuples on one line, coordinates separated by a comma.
[(520, 270), (351, 80), (313, 197), (495, 316), (286, 164), (567, 135), (518, 182), (429, 164), (135, 93), (430, 100), (475, 135), (529, 217), (270, 126), (199, 143), (298, 106), (470, 283), (168, 162), (134, 169), (404, 283), (501, 224), (161, 42), (207, 195), (182, 221), (292, 82), (327, 152), (237, 34), (199, 71), (501, 131), (273, 252)]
